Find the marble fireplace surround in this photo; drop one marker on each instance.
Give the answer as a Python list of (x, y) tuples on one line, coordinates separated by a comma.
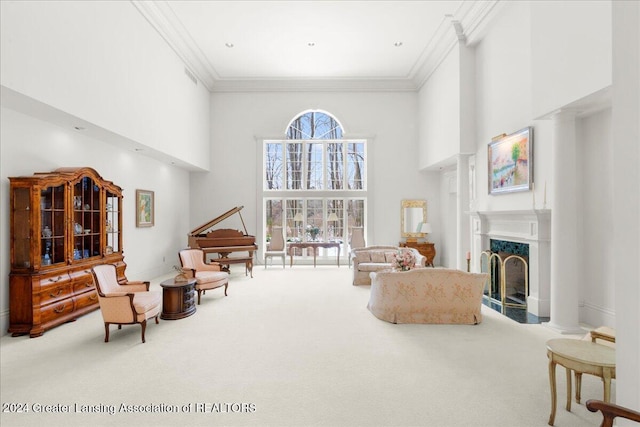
[(532, 227)]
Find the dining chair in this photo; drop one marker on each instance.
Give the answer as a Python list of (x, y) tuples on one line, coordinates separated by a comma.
[(276, 247), (356, 241)]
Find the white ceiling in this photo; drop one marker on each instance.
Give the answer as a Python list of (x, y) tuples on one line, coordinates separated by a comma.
[(354, 41)]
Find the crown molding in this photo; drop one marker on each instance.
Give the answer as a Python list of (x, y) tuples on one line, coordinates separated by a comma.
[(477, 19), (313, 85), (463, 27), (162, 18)]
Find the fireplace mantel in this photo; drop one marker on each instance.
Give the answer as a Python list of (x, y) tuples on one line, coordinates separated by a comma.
[(524, 226), (517, 225), (515, 215), (539, 213)]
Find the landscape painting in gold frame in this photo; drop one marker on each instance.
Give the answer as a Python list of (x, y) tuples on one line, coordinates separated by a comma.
[(511, 162)]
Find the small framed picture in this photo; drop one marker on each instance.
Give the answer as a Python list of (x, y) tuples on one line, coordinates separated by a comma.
[(144, 208)]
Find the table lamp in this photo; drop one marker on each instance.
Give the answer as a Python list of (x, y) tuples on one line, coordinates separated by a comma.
[(425, 228)]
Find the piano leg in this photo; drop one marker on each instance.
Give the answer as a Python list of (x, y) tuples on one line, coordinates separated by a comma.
[(249, 266)]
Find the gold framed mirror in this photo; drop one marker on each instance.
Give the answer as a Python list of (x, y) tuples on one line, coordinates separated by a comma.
[(412, 214)]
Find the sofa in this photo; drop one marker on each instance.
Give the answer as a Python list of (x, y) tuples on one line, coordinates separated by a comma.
[(427, 295), (375, 258)]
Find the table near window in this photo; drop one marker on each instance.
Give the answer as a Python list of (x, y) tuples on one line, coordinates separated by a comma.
[(314, 246)]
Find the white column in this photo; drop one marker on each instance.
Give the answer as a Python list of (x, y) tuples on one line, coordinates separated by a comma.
[(564, 315), (462, 212)]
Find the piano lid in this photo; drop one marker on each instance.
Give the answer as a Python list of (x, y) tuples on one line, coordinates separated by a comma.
[(204, 227)]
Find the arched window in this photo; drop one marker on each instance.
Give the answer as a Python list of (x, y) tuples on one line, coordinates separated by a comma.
[(315, 180), (314, 124)]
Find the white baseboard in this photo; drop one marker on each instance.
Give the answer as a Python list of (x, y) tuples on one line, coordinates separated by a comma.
[(597, 315)]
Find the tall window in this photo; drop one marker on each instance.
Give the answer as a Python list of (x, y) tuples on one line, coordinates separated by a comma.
[(314, 182)]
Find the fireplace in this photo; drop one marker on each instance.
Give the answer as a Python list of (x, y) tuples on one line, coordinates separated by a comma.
[(507, 264), (518, 234)]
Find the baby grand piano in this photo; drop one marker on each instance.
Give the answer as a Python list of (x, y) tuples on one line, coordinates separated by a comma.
[(225, 241)]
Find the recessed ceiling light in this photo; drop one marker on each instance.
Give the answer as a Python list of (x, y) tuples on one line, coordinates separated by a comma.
[(229, 45), (311, 44), (397, 44)]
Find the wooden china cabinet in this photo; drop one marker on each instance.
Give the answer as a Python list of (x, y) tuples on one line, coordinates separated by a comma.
[(62, 223)]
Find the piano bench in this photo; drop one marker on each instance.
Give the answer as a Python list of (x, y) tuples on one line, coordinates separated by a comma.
[(226, 262)]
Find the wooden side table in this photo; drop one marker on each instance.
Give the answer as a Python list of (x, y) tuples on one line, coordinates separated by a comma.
[(178, 299), (583, 357), (426, 249)]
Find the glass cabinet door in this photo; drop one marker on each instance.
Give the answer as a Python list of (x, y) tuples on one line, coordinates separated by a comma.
[(21, 227), (52, 223), (113, 207), (86, 219)]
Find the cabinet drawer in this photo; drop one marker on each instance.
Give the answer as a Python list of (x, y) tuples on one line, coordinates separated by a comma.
[(82, 281), (57, 310), (86, 299), (51, 294), (80, 287), (188, 295), (53, 280)]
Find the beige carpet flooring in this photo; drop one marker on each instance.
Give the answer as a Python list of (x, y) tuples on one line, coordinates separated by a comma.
[(292, 347)]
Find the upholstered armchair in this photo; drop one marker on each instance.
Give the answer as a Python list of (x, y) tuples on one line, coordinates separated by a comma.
[(208, 276), (610, 411), (124, 303)]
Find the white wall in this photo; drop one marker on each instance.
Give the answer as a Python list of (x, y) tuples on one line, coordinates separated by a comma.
[(503, 82), (439, 114), (505, 102), (506, 61), (29, 145), (570, 51), (102, 62), (240, 120), (595, 225), (626, 198)]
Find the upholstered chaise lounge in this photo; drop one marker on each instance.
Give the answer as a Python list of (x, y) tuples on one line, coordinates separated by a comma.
[(376, 258), (427, 295)]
